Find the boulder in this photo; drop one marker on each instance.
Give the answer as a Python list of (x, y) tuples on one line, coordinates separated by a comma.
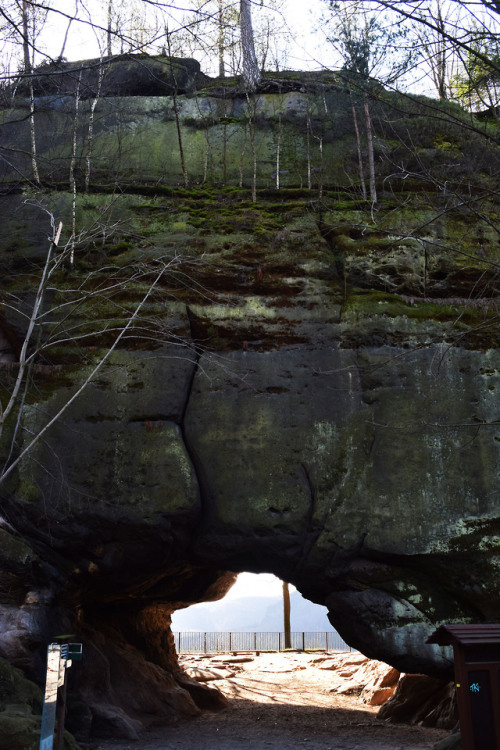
[(453, 742), (121, 75), (419, 699)]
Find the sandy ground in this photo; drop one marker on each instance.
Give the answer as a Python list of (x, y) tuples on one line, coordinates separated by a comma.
[(280, 702)]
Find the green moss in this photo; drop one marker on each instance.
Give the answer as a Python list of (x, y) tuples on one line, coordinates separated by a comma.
[(369, 303), (15, 688), (28, 492), (14, 550)]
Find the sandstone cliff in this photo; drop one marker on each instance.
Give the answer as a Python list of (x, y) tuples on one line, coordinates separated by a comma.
[(310, 385)]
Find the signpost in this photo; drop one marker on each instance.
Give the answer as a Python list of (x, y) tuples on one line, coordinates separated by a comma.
[(59, 658)]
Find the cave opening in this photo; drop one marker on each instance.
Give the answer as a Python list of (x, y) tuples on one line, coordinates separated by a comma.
[(266, 698), (253, 604)]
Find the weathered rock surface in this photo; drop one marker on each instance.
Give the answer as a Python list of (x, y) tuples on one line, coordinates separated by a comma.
[(450, 743), (310, 389), (419, 699), (374, 681), (121, 75)]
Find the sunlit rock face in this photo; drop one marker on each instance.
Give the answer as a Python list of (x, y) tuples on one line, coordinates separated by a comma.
[(296, 396)]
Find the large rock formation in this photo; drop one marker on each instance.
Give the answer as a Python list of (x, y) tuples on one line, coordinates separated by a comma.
[(309, 387)]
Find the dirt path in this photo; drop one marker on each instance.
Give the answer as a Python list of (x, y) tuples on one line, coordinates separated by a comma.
[(281, 702)]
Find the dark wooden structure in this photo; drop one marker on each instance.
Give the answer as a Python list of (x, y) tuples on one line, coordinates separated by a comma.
[(476, 651)]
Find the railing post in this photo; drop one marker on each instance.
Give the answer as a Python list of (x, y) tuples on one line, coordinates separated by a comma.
[(230, 641), (61, 713), (303, 641), (59, 658), (255, 641), (204, 643), (279, 641), (50, 700)]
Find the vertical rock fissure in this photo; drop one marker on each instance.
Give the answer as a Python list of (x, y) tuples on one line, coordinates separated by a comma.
[(310, 536), (182, 424)]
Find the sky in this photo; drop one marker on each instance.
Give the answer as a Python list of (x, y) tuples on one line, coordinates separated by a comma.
[(251, 584), (303, 36), (305, 40), (302, 18)]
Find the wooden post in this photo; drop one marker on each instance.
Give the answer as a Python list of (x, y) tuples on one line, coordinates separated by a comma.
[(61, 714), (286, 615), (50, 700)]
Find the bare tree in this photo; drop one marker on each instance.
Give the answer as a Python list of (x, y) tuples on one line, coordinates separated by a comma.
[(49, 326), (28, 17), (372, 48), (439, 53), (359, 149), (176, 113)]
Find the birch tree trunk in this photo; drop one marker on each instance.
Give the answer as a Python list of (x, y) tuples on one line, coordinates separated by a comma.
[(251, 129), (90, 135), (371, 159), (278, 154), (72, 180), (28, 69), (220, 42), (358, 146), (308, 145)]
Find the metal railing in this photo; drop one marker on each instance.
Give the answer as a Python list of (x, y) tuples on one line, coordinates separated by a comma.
[(212, 643)]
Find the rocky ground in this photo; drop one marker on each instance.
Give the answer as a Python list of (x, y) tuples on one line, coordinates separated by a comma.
[(288, 701)]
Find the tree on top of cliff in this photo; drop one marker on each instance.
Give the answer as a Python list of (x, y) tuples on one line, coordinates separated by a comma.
[(251, 72), (477, 85), (451, 35), (213, 37), (370, 47)]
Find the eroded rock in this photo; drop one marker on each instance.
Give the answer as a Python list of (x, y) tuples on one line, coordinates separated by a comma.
[(306, 393)]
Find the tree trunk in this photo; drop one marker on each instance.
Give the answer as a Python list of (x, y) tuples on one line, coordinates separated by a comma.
[(242, 155), (278, 152), (90, 136), (251, 103), (320, 180), (371, 158), (358, 146), (26, 37), (28, 69), (308, 145), (108, 35), (224, 151), (220, 42), (251, 74), (176, 113), (72, 180), (286, 615)]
